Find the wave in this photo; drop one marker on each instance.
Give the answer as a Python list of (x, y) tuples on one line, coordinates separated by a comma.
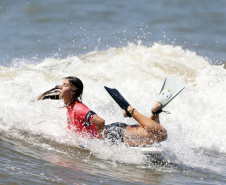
[(197, 114)]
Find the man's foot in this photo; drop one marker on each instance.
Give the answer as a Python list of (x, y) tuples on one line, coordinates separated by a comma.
[(156, 109), (130, 109)]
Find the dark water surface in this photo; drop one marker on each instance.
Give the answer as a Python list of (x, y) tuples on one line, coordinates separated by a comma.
[(31, 29), (24, 164)]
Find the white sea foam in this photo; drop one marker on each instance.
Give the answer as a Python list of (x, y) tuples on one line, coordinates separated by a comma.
[(197, 114)]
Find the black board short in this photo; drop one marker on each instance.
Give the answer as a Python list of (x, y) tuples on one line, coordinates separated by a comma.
[(115, 132)]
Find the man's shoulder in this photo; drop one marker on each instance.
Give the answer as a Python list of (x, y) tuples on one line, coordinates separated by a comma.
[(80, 108)]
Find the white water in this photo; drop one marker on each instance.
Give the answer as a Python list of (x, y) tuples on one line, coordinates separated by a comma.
[(196, 122)]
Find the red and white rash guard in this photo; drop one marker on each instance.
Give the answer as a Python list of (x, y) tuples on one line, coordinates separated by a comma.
[(79, 119)]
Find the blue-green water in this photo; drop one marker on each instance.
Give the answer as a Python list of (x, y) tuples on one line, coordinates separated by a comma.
[(130, 45), (65, 27)]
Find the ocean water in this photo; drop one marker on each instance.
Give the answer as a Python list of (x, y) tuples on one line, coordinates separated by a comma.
[(129, 45)]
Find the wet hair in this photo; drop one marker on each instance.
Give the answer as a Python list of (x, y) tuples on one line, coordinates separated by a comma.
[(76, 87)]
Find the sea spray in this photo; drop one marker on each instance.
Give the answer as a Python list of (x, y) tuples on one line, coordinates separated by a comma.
[(197, 114)]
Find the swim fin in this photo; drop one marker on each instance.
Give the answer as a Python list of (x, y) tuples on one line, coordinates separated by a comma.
[(119, 99), (169, 91)]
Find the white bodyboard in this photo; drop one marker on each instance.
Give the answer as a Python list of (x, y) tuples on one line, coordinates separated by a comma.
[(149, 150)]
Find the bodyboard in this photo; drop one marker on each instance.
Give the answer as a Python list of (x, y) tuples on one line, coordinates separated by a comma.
[(50, 94), (149, 150)]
